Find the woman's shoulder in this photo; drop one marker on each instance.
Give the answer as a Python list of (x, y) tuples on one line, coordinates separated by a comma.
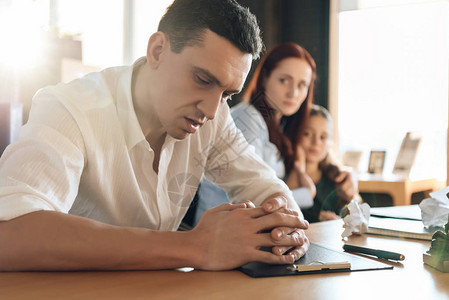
[(246, 115)]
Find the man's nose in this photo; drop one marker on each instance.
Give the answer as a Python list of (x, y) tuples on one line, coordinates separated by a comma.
[(209, 106)]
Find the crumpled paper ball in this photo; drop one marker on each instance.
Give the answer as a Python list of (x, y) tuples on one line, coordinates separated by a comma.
[(356, 221), (435, 210)]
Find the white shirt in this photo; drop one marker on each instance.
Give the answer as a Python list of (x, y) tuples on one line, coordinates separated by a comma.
[(83, 152)]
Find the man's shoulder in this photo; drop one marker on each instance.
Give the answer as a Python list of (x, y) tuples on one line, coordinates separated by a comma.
[(93, 89)]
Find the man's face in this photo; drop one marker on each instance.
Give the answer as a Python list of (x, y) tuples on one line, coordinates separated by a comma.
[(193, 84)]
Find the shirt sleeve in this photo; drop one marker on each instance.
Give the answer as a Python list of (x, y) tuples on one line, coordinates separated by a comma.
[(234, 166), (42, 170)]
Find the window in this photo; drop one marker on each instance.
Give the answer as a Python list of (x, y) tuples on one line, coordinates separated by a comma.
[(98, 24), (20, 23), (112, 33), (146, 15), (393, 63)]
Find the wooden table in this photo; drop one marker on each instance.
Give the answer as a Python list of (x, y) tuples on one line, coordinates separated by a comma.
[(410, 279), (398, 187)]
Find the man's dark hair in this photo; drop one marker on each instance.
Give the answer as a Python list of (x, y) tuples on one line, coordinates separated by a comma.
[(185, 22)]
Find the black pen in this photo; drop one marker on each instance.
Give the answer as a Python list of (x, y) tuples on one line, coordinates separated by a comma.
[(374, 252)]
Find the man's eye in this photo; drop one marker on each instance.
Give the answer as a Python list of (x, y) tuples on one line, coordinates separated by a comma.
[(202, 81)]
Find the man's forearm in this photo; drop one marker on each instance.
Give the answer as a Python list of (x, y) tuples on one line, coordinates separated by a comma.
[(226, 237), (55, 241)]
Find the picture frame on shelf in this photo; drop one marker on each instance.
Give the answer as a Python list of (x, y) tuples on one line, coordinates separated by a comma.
[(352, 159), (407, 154), (376, 161)]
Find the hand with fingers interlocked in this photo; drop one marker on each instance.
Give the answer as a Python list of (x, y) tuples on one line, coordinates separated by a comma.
[(231, 235)]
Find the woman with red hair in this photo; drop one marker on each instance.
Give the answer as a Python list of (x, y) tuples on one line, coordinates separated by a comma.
[(281, 91)]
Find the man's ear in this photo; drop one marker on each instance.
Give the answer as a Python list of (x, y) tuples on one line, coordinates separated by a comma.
[(158, 44)]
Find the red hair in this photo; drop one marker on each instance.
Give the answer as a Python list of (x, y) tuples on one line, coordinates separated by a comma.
[(285, 135)]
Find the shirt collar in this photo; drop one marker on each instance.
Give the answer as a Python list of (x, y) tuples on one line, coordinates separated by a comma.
[(125, 108)]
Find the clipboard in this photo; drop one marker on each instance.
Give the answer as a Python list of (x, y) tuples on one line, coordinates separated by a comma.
[(317, 260)]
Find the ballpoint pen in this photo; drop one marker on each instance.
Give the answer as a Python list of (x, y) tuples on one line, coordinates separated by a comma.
[(374, 252)]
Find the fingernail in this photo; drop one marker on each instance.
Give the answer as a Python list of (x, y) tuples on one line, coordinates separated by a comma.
[(279, 234), (293, 256), (306, 222), (269, 206)]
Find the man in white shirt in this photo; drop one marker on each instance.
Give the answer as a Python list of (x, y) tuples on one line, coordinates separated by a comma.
[(107, 165)]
